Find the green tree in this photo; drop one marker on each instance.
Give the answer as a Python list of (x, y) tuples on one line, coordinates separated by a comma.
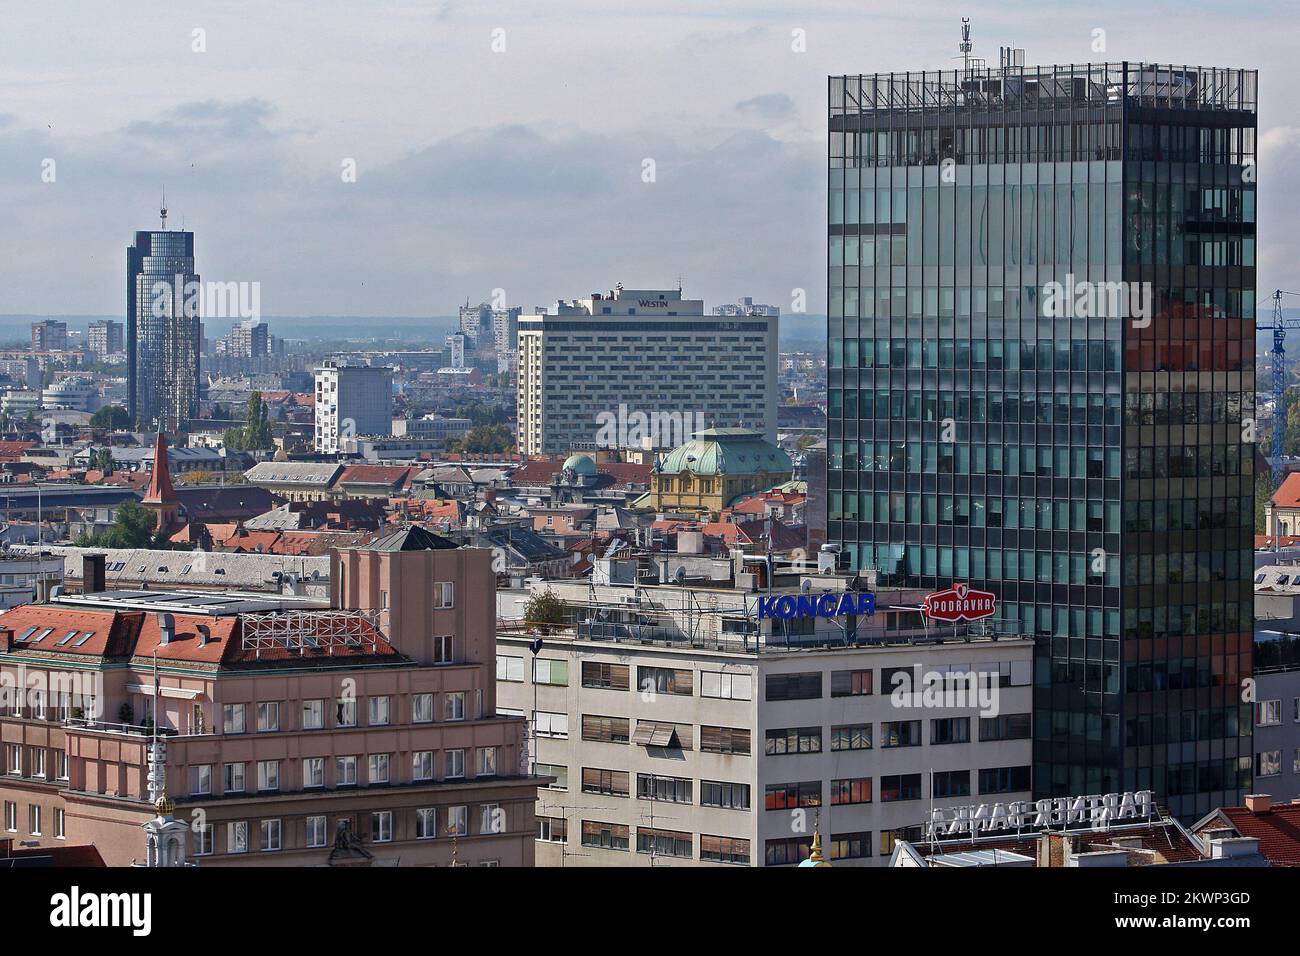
[(132, 528), (485, 440), (111, 417), (257, 427), (545, 611), (1263, 491), (101, 459)]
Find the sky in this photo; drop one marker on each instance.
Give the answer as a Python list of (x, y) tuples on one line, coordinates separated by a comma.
[(505, 145)]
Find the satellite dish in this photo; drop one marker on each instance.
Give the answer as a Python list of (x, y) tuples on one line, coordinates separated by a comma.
[(798, 554), (680, 575), (806, 586)]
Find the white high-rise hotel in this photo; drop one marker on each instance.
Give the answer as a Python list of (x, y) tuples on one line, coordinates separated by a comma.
[(650, 351), (351, 401)]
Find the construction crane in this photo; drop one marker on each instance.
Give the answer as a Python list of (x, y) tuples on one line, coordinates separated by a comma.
[(1279, 325)]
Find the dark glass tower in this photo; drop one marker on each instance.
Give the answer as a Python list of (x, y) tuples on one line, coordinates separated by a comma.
[(1085, 463), (162, 330)]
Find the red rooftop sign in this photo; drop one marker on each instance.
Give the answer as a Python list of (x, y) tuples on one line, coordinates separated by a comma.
[(959, 603)]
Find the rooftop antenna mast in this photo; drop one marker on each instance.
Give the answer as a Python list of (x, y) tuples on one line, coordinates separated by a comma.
[(162, 211), (966, 45)]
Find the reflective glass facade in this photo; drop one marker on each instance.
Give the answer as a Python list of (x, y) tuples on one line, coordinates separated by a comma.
[(998, 416), (162, 330)]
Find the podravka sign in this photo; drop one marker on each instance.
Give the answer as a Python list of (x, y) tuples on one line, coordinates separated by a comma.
[(959, 603)]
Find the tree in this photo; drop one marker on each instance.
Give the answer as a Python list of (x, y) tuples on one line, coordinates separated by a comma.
[(1263, 491), (485, 440), (545, 611), (198, 476), (132, 528), (257, 427), (111, 417)]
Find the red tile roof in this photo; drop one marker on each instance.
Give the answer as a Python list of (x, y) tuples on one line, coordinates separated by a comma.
[(1288, 495), (13, 450), (396, 476), (1277, 829)]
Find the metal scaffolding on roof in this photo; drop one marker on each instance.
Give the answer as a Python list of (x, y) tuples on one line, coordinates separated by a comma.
[(315, 631)]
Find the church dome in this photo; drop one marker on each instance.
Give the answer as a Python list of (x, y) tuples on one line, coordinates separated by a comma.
[(580, 465)]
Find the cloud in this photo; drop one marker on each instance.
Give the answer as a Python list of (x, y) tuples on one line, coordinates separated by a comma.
[(768, 106)]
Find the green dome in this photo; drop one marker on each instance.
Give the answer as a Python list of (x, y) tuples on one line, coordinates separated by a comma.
[(726, 451), (580, 465)]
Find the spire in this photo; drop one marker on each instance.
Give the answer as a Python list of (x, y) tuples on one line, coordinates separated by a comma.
[(160, 489)]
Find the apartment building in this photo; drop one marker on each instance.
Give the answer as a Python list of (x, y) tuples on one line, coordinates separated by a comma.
[(294, 730), (350, 401), (679, 727)]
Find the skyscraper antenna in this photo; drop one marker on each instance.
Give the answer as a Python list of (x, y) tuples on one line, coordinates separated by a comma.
[(162, 211), (966, 45)]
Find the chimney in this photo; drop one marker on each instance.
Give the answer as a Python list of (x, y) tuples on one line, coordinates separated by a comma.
[(166, 628), (1259, 802), (92, 573), (205, 634)]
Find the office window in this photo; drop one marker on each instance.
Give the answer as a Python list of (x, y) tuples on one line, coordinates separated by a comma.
[(727, 796), (380, 711), (204, 839), (232, 718), (719, 849), (951, 783), (14, 759), (491, 818), (606, 836), (1268, 713), (61, 766), (851, 846), (313, 772), (444, 595), (426, 823), (377, 769), (950, 730), (457, 821), (604, 676), (726, 686), (317, 832), (1268, 763), (422, 765), (614, 730), (1006, 727), (794, 686), (664, 843), (851, 683), (550, 724), (345, 714), (789, 796), (455, 705), (897, 787), (345, 771), (510, 668), (422, 708), (612, 783), (1004, 779), (60, 825), (237, 837), (268, 775), (201, 779), (268, 717), (270, 835), (553, 673), (233, 778), (665, 680), (724, 740), (487, 762), (455, 764), (552, 830), (900, 733), (381, 826), (36, 761), (666, 789), (444, 649), (557, 770), (11, 816), (313, 714), (851, 737), (850, 790), (787, 851), (794, 740), (34, 819)]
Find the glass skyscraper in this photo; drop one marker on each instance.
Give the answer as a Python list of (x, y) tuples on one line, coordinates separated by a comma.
[(1003, 412), (162, 330)]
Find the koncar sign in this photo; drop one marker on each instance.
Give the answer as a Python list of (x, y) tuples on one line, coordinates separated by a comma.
[(788, 606)]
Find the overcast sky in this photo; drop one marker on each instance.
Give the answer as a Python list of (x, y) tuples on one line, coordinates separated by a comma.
[(520, 169)]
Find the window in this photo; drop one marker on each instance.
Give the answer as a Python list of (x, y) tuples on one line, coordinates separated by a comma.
[(1268, 763), (377, 769), (510, 668), (850, 790), (204, 839), (724, 740), (268, 775), (237, 837), (200, 779), (345, 771), (787, 851), (727, 796), (719, 849), (313, 714), (552, 830), (557, 770), (487, 762), (554, 673), (11, 816), (345, 714), (491, 818), (457, 821), (1004, 779), (851, 846), (444, 595), (664, 843), (426, 823), (14, 759), (905, 786), (612, 783), (455, 764), (1006, 727), (422, 708), (604, 676), (851, 737), (268, 717), (316, 831), (606, 836), (233, 778), (270, 835), (232, 718), (60, 826), (614, 730), (381, 826), (1295, 761), (422, 765), (61, 766), (951, 783), (444, 649), (551, 724), (455, 705), (666, 789), (788, 796), (37, 761), (794, 740), (950, 730), (313, 772), (1268, 713), (726, 686), (665, 680), (380, 711), (851, 683), (900, 733), (34, 819), (794, 686)]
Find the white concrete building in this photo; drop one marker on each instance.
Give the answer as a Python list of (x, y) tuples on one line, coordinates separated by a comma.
[(351, 400), (646, 352)]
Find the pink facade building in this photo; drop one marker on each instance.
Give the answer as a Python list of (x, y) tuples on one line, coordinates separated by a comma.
[(364, 733)]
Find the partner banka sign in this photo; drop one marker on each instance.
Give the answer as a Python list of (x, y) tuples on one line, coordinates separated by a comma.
[(1095, 810), (788, 607), (959, 603)]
